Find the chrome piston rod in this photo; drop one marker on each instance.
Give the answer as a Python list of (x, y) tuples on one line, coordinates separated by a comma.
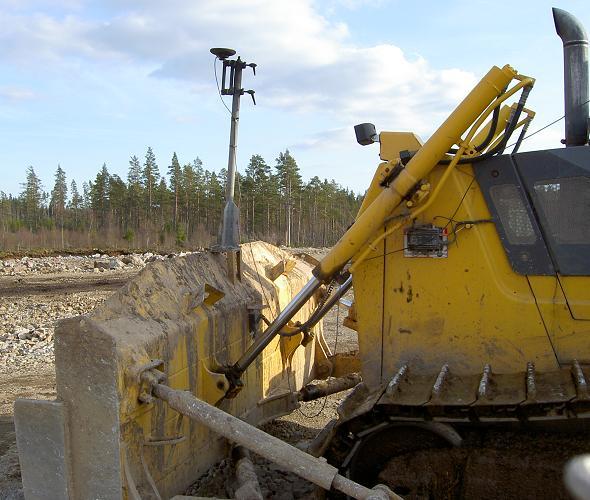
[(283, 318), (331, 302), (275, 327), (290, 458)]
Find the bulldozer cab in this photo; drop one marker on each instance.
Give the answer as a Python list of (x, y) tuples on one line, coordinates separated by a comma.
[(540, 202)]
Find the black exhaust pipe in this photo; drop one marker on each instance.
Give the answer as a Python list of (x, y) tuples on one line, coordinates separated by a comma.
[(575, 70)]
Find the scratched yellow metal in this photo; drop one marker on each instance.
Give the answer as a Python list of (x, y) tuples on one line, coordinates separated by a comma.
[(466, 310), (568, 322)]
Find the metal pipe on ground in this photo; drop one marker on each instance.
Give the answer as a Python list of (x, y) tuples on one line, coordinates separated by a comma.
[(283, 454), (327, 387)]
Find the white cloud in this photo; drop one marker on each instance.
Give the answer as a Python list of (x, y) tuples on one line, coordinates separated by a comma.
[(16, 93), (307, 62), (326, 139), (28, 39)]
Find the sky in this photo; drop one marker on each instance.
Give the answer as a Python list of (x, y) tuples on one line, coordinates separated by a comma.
[(85, 82)]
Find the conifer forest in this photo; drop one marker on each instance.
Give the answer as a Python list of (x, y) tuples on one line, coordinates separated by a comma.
[(172, 207)]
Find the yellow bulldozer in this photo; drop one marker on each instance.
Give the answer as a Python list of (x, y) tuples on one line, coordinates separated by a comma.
[(470, 271)]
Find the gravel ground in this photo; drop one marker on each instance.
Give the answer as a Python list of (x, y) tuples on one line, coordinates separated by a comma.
[(27, 325), (96, 263), (27, 321), (297, 429)]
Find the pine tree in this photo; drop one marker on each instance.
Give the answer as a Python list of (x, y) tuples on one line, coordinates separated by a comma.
[(289, 180), (4, 211), (150, 179), (118, 200), (175, 174), (59, 193), (99, 196), (313, 190), (189, 191), (59, 196), (135, 191), (214, 196), (32, 198), (256, 188), (162, 201), (199, 188), (76, 204)]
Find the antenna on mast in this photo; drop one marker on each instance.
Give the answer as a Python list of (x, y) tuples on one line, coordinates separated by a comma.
[(231, 84)]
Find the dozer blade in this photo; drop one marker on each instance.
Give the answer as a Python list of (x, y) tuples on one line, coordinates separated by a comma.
[(105, 436)]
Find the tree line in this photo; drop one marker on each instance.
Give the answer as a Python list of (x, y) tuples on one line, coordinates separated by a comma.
[(179, 207)]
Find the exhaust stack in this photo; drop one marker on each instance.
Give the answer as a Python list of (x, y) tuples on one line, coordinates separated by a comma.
[(575, 61)]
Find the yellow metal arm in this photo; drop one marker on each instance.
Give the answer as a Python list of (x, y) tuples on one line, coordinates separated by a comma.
[(468, 117), (481, 99)]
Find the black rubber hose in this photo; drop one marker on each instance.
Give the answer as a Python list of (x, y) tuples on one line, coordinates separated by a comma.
[(521, 137), (499, 148), (491, 132), (490, 135)]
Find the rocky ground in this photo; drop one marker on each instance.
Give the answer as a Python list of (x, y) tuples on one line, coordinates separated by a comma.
[(27, 325), (297, 429), (97, 263), (37, 292), (28, 315)]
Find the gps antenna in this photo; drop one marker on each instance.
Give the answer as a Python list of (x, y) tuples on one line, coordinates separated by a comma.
[(231, 84)]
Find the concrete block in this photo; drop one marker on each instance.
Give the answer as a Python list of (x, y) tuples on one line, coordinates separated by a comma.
[(41, 440), (86, 382)]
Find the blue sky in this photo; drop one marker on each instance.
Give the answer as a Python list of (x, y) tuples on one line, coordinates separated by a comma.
[(84, 83)]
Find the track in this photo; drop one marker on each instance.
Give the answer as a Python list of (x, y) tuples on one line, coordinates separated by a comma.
[(493, 461), (509, 439)]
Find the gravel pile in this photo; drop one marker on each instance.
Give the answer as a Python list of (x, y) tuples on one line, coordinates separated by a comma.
[(27, 325), (78, 263), (27, 322)]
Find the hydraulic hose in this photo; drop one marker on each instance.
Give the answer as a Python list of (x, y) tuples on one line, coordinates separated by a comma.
[(510, 127)]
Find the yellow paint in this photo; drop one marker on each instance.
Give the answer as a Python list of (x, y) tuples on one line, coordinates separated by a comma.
[(392, 143), (214, 332), (568, 333), (576, 289), (476, 105), (468, 309)]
